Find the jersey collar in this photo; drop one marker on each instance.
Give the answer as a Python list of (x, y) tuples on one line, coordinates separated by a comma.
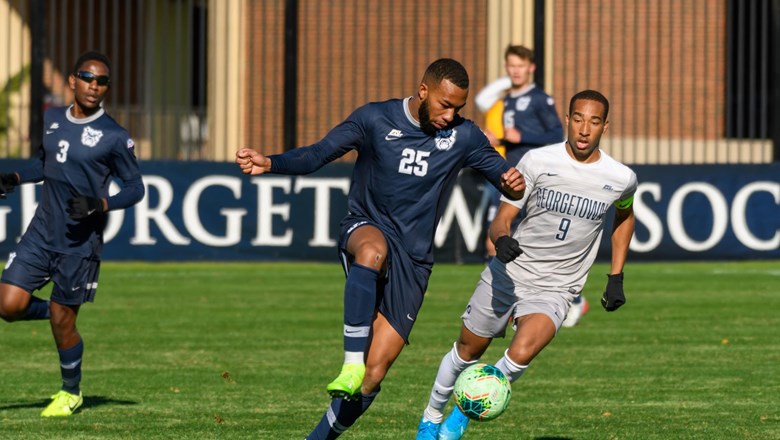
[(408, 114), (524, 90), (86, 120)]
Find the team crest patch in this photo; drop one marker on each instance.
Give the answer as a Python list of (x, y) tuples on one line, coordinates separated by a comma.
[(445, 139), (523, 103), (90, 137)]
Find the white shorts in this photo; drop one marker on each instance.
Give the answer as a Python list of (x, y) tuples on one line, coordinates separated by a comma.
[(490, 310)]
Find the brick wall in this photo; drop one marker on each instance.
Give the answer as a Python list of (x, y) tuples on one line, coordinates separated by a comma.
[(352, 52), (660, 63)]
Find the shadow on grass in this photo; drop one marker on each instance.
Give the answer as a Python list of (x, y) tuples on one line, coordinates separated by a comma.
[(89, 402)]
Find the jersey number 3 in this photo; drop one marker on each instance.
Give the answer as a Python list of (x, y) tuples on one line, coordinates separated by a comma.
[(62, 156), (414, 162)]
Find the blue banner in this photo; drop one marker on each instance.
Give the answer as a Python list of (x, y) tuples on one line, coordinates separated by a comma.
[(210, 211)]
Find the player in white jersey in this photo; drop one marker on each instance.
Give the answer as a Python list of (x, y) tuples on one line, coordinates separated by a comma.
[(542, 265)]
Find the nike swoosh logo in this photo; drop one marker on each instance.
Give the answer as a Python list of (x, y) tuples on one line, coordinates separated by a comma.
[(551, 174), (75, 289), (349, 332), (409, 317), (49, 131), (392, 138)]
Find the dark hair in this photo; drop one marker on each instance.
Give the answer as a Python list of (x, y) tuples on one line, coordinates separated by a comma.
[(590, 95), (449, 69), (520, 51), (91, 56)]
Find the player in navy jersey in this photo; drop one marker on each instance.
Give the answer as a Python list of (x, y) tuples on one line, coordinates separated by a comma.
[(530, 119), (542, 265), (409, 154), (83, 149)]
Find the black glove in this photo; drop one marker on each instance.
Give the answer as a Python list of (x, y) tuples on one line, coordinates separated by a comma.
[(507, 249), (613, 296), (81, 207), (8, 181)]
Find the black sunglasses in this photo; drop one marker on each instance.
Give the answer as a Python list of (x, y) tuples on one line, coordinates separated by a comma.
[(88, 77)]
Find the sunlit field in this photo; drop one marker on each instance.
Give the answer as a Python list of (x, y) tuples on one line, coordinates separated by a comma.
[(244, 351)]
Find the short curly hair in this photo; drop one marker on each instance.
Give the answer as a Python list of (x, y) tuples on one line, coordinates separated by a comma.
[(590, 95), (91, 56), (449, 69)]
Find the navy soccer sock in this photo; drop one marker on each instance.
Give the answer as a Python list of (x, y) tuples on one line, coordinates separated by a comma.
[(37, 309), (341, 414), (359, 303), (70, 367)]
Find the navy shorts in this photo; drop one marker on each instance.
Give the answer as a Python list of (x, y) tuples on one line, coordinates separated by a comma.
[(401, 290), (32, 267)]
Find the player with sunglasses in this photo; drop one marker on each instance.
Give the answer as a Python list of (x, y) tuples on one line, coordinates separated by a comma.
[(83, 149)]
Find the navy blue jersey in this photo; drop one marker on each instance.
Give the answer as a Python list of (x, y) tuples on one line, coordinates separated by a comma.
[(80, 157), (403, 177), (532, 112)]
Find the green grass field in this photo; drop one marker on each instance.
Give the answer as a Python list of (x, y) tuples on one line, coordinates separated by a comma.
[(243, 351)]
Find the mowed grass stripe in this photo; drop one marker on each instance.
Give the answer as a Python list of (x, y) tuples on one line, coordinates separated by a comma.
[(244, 350)]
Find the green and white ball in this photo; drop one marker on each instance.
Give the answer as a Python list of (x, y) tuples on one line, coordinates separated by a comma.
[(482, 392)]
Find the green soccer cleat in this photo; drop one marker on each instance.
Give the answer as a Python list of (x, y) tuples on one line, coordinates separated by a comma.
[(347, 385), (63, 404)]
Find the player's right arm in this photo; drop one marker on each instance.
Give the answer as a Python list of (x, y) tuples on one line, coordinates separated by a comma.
[(252, 162), (33, 173), (343, 138), (507, 247)]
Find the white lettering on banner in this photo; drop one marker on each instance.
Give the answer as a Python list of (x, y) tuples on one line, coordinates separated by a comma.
[(192, 219), (739, 217), (647, 217), (115, 218), (719, 217), (144, 215), (322, 189), (729, 212), (29, 205), (457, 208), (4, 210), (266, 211)]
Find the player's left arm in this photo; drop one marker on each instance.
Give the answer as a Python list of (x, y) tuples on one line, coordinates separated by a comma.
[(125, 167), (495, 168), (622, 232), (623, 226)]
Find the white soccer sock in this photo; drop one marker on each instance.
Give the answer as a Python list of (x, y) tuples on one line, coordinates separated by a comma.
[(511, 370), (449, 370), (353, 357)]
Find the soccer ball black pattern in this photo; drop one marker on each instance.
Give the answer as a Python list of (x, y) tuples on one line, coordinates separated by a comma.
[(482, 392)]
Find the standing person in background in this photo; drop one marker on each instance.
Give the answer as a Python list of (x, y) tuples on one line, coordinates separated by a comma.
[(409, 154), (542, 264), (529, 121), (83, 148), (494, 130)]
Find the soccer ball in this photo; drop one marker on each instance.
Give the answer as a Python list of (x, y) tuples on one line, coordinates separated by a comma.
[(482, 392)]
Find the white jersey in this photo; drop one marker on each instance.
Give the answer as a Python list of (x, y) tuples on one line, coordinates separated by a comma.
[(566, 203)]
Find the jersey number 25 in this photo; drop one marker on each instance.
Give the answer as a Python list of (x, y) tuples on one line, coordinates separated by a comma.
[(414, 162)]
